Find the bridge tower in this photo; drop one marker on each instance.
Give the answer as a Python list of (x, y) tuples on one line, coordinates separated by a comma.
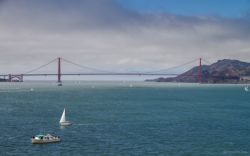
[(59, 81), (200, 71)]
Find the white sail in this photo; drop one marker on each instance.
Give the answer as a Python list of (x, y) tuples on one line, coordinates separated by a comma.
[(63, 118), (63, 121)]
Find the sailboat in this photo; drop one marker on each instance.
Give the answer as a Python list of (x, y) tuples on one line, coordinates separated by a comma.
[(63, 121), (246, 88)]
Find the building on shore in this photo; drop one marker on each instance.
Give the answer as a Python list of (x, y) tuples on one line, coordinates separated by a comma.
[(245, 79)]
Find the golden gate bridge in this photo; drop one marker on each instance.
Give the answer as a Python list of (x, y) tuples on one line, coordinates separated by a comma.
[(98, 72)]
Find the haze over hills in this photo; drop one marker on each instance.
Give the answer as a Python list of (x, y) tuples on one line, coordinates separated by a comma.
[(223, 71)]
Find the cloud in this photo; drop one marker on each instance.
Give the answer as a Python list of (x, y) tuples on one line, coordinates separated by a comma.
[(105, 35)]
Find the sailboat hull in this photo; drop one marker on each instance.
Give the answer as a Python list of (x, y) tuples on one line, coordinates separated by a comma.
[(65, 123)]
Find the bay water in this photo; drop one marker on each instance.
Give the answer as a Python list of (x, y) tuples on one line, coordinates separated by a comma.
[(125, 118)]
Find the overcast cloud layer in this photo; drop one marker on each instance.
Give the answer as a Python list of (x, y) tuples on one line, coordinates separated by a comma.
[(103, 34)]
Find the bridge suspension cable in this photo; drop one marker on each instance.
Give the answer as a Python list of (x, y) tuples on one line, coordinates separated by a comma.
[(107, 72), (36, 69), (204, 60), (96, 71), (86, 67), (174, 67)]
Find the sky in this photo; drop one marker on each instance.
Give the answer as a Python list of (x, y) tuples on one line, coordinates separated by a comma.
[(225, 8), (121, 35)]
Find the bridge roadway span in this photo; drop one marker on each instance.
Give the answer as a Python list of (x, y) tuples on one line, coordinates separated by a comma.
[(98, 74)]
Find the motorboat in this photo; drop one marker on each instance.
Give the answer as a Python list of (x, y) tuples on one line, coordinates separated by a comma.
[(43, 139)]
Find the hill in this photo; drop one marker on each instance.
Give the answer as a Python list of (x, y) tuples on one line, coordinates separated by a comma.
[(223, 71)]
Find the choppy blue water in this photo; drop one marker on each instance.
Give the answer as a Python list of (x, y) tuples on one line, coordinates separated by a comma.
[(115, 118)]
